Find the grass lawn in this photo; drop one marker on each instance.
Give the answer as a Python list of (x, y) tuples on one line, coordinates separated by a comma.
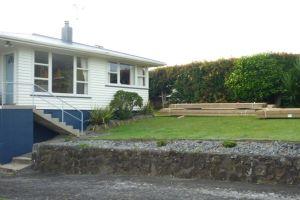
[(232, 128)]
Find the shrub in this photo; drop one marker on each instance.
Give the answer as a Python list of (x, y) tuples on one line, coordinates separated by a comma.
[(123, 104), (147, 109), (161, 82), (187, 86), (83, 145), (260, 77), (191, 83), (256, 78), (161, 143), (229, 144), (100, 116), (291, 82)]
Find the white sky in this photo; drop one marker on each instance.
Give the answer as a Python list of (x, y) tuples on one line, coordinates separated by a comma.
[(172, 31)]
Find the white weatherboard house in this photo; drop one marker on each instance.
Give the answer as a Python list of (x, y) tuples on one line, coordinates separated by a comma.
[(64, 78), (80, 74)]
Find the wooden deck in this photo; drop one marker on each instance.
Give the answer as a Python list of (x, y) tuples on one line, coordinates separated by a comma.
[(213, 109), (274, 113)]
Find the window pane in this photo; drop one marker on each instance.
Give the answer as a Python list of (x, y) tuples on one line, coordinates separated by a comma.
[(125, 74), (42, 85), (82, 75), (62, 73), (141, 81), (113, 67), (82, 88), (141, 71), (132, 75), (41, 57), (81, 63), (113, 78), (40, 71)]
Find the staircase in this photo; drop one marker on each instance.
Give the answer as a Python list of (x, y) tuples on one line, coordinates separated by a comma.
[(54, 124), (18, 163)]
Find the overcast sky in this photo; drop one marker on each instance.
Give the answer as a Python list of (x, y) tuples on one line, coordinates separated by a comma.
[(172, 31)]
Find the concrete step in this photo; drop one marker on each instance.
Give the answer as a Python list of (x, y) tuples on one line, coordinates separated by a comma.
[(21, 160), (12, 168)]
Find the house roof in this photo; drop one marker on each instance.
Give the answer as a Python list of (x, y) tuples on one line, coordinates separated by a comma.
[(41, 40)]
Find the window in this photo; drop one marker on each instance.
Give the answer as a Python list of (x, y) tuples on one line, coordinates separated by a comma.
[(125, 74), (41, 71), (113, 73), (62, 73), (82, 76), (141, 76)]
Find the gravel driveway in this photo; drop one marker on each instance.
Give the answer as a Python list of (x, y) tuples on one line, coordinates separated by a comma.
[(33, 185)]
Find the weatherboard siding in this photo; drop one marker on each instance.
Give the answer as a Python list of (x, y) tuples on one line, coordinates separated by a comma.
[(99, 93)]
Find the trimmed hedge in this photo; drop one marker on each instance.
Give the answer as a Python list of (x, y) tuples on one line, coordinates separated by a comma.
[(247, 79)]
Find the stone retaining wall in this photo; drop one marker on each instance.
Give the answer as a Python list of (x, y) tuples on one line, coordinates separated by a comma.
[(93, 160)]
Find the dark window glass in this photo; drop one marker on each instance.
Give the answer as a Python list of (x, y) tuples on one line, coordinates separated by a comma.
[(42, 85), (113, 78), (62, 73), (82, 88), (41, 57), (41, 71), (125, 74)]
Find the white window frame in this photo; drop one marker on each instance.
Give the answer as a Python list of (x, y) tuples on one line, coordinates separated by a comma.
[(86, 69), (142, 76), (42, 64), (49, 79), (135, 76), (111, 72)]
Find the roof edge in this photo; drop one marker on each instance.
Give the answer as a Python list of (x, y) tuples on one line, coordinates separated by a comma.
[(95, 50)]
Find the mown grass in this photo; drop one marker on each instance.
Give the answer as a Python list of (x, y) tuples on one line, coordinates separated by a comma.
[(221, 128)]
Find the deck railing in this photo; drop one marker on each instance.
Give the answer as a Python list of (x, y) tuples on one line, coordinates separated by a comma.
[(5, 95)]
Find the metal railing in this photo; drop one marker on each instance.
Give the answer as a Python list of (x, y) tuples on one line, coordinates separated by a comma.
[(34, 94)]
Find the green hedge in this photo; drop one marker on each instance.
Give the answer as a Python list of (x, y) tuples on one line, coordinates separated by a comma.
[(253, 78)]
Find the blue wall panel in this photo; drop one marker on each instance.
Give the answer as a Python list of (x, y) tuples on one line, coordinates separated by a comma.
[(16, 133), (69, 119), (41, 133)]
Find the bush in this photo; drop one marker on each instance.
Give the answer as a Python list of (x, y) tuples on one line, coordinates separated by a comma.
[(191, 83), (264, 77), (291, 82), (161, 143), (229, 144), (256, 78), (123, 104), (100, 116), (187, 86), (147, 109)]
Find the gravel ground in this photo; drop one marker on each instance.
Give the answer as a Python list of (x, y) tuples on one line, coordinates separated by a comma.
[(33, 185), (243, 148)]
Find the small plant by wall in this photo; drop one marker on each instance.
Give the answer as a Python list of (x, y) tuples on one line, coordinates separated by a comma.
[(229, 144), (161, 143), (100, 116)]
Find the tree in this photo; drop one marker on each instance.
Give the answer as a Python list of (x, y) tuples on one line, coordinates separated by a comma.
[(256, 78), (291, 82)]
